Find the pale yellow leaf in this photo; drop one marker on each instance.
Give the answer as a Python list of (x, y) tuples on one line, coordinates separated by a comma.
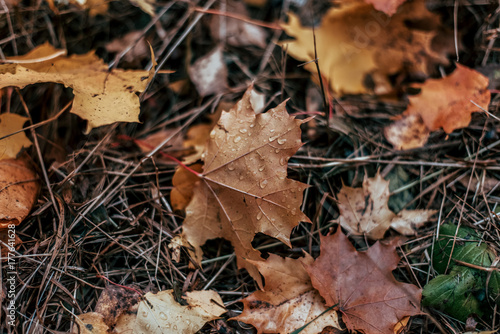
[(12, 145)]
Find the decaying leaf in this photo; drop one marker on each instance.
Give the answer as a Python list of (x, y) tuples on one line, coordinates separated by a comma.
[(365, 210), (387, 6), (209, 73), (244, 187), (362, 286), (442, 103), (183, 182), (125, 312), (19, 189), (175, 246), (12, 145), (101, 96), (95, 7), (162, 314), (147, 6), (356, 44), (288, 300)]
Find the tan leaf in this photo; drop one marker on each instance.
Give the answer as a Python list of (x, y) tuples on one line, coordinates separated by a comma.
[(12, 145), (365, 211), (362, 286), (288, 301), (244, 187), (101, 96), (90, 323), (356, 42), (442, 103), (183, 182), (147, 6), (19, 188), (161, 313)]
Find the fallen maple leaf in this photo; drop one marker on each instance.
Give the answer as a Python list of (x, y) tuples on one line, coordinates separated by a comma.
[(365, 211), (244, 187), (361, 284), (19, 189), (12, 145), (102, 96), (442, 103), (288, 301), (354, 42)]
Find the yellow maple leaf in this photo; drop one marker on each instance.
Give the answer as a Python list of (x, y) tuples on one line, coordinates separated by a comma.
[(355, 44), (102, 96)]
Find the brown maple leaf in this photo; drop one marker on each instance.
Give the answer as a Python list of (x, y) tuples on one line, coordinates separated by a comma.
[(362, 286), (244, 187), (365, 210), (288, 301)]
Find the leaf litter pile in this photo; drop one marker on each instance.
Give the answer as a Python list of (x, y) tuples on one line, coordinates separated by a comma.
[(249, 167)]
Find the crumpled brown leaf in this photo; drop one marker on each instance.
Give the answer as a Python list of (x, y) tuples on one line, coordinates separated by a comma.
[(244, 187), (442, 103), (288, 300), (365, 211), (101, 96), (362, 286), (356, 44)]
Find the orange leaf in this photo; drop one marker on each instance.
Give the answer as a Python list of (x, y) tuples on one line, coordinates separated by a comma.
[(288, 301), (244, 187), (183, 182), (443, 103), (19, 189), (362, 286)]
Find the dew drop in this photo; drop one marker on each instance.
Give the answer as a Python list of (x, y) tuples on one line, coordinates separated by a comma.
[(241, 177), (281, 141), (259, 215), (272, 130), (230, 166), (212, 134), (237, 139), (263, 183), (175, 327), (271, 139), (148, 326), (167, 326), (203, 155), (252, 125), (283, 161), (240, 121), (144, 314), (163, 316), (277, 150), (261, 168), (243, 130), (233, 150)]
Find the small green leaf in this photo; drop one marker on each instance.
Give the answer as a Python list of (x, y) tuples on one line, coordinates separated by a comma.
[(455, 294), (467, 247)]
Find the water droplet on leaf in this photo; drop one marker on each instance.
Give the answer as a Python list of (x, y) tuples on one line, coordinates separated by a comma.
[(237, 139), (263, 183)]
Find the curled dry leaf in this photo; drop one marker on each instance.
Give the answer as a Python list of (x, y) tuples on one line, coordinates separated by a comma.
[(19, 189), (362, 286), (12, 145), (244, 188), (288, 300), (101, 96), (365, 211), (356, 42), (442, 103)]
